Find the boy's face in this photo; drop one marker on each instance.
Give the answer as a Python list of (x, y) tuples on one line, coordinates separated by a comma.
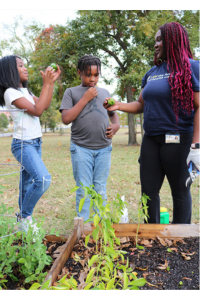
[(89, 79)]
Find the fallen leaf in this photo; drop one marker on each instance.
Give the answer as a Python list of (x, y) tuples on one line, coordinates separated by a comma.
[(188, 253), (141, 269), (185, 256), (187, 278), (59, 249), (151, 284), (125, 245), (146, 243), (145, 275), (161, 241), (124, 240), (173, 249), (163, 267)]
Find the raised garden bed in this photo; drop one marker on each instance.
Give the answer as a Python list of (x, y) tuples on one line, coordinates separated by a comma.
[(170, 259)]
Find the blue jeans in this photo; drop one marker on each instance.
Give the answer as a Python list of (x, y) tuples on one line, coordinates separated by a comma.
[(35, 178), (90, 167)]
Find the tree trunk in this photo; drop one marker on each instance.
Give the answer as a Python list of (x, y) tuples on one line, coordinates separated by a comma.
[(132, 134)]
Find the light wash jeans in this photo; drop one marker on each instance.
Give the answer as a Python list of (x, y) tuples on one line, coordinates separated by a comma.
[(35, 179), (90, 167)]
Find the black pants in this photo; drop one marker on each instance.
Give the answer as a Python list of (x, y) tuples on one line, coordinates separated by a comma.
[(158, 159)]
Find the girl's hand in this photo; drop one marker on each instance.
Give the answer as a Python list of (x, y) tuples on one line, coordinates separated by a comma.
[(48, 76), (111, 108), (56, 73)]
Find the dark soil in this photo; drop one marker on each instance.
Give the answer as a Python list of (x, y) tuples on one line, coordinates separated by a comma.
[(165, 264)]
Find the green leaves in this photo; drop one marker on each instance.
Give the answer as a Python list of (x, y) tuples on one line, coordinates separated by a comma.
[(142, 214), (31, 256), (104, 276)]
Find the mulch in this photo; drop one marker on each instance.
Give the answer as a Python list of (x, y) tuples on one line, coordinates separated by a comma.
[(166, 264)]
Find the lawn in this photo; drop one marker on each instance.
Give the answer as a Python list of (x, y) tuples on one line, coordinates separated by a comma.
[(57, 206)]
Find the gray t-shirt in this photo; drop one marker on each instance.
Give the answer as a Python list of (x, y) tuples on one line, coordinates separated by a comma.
[(89, 128)]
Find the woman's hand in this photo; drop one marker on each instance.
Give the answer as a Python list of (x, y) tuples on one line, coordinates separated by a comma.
[(113, 107), (194, 156)]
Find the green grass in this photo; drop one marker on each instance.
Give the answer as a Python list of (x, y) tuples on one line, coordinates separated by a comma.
[(57, 206)]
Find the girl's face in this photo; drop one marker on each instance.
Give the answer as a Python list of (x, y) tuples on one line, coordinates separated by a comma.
[(89, 79), (23, 74), (159, 46)]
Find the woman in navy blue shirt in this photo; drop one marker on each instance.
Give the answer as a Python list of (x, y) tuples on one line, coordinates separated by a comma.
[(170, 101)]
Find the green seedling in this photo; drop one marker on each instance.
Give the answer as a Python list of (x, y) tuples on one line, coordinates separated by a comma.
[(111, 101), (142, 214), (54, 66)]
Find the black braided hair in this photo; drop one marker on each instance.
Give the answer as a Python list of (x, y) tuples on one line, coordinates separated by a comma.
[(86, 61)]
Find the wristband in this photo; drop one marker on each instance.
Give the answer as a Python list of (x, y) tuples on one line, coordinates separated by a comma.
[(195, 146)]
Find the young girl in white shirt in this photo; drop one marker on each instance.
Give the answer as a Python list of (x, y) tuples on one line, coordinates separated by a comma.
[(25, 110)]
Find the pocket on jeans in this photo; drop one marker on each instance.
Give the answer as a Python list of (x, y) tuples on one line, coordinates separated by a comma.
[(73, 148)]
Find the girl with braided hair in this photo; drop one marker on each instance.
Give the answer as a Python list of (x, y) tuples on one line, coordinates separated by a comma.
[(170, 101)]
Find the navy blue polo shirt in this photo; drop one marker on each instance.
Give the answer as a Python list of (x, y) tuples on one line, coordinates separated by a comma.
[(159, 117)]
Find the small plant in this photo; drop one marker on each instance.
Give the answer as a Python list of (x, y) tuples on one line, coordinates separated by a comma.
[(142, 214), (106, 272), (28, 254), (104, 265), (117, 207)]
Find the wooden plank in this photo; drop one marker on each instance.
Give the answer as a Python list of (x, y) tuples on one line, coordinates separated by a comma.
[(121, 230), (61, 259), (55, 238), (63, 256), (152, 230)]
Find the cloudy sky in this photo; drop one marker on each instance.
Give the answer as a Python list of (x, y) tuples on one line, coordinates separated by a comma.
[(46, 17)]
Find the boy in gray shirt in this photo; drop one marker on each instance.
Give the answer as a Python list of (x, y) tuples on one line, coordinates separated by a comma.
[(91, 133)]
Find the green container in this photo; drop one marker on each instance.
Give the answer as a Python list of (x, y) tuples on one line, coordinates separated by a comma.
[(164, 218)]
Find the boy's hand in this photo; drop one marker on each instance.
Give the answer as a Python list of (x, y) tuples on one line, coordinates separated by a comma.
[(90, 94), (111, 130)]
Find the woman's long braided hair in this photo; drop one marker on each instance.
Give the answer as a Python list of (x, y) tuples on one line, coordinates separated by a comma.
[(176, 46)]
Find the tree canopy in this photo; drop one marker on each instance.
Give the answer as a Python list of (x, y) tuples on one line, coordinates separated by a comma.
[(123, 36)]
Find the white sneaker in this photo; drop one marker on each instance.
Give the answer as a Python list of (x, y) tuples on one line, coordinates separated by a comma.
[(27, 222)]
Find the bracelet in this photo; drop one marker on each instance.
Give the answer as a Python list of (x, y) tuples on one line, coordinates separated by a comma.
[(195, 146)]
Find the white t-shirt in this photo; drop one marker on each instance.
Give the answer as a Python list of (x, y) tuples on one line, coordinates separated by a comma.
[(26, 126)]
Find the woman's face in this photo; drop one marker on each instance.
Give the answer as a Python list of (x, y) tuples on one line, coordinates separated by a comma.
[(23, 74), (159, 50)]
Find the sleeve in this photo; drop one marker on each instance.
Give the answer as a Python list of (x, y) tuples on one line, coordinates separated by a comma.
[(67, 101), (195, 64), (144, 80), (11, 95), (146, 76)]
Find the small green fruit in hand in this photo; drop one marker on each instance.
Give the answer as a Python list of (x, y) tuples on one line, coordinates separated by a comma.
[(54, 66), (111, 101)]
